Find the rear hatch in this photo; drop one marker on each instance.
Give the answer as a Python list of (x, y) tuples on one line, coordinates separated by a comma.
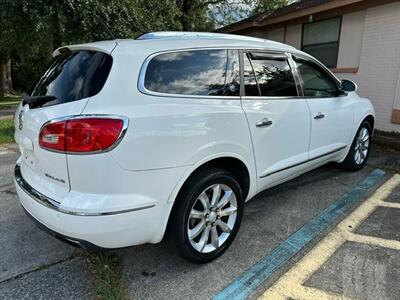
[(73, 77)]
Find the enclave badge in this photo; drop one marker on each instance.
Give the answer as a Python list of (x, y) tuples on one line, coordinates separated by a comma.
[(20, 120)]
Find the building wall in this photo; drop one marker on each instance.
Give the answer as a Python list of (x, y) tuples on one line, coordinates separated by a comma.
[(277, 35), (293, 35), (351, 38), (370, 45), (258, 34), (378, 76)]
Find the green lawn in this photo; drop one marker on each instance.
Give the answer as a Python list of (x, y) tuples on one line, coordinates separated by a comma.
[(6, 131), (10, 99), (9, 102)]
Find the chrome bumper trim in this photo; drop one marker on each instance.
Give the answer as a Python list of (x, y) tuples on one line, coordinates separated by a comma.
[(54, 205)]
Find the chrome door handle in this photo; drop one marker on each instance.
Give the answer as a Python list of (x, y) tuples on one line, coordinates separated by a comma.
[(319, 116), (264, 122)]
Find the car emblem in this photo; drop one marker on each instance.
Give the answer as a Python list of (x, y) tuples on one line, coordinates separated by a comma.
[(20, 120)]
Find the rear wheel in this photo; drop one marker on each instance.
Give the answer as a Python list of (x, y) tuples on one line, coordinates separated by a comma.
[(359, 151), (208, 215)]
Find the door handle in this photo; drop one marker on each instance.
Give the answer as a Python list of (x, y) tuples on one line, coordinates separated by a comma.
[(319, 116), (264, 122)]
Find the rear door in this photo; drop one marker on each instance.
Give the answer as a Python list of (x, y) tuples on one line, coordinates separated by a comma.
[(72, 77), (331, 110), (278, 119)]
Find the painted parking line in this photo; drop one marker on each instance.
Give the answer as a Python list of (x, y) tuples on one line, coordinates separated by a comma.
[(246, 283), (290, 285)]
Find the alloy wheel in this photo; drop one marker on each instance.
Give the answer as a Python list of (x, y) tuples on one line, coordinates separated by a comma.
[(362, 146), (212, 218)]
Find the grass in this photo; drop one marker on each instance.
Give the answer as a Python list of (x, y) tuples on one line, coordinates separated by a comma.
[(105, 269), (6, 131), (10, 99), (9, 102)]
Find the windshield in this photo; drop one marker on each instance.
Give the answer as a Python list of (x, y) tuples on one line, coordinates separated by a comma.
[(73, 76)]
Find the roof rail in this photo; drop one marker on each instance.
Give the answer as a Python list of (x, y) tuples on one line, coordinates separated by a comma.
[(187, 34)]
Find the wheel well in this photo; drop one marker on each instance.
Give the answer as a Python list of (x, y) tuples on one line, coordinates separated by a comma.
[(233, 165), (370, 119)]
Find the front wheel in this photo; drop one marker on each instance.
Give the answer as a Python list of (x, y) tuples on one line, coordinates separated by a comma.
[(208, 215), (359, 151)]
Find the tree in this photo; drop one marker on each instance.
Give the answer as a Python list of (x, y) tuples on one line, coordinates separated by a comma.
[(31, 30), (266, 5), (231, 11)]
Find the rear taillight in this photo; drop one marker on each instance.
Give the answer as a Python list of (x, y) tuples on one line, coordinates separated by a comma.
[(82, 134)]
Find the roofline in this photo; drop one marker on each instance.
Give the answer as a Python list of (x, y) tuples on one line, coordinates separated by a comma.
[(251, 23)]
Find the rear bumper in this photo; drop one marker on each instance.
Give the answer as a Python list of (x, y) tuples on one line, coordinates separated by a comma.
[(66, 239), (93, 231)]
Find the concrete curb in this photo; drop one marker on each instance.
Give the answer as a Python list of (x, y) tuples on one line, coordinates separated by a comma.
[(387, 139)]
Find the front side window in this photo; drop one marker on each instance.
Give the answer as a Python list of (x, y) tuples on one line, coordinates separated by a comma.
[(273, 75), (316, 81), (197, 72), (321, 40)]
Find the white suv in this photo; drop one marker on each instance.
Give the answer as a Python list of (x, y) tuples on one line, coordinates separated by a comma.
[(121, 138)]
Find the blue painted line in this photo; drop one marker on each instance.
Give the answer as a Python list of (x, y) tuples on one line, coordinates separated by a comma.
[(247, 282)]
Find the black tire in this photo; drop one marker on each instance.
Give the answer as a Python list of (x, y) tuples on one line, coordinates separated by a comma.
[(350, 162), (187, 198)]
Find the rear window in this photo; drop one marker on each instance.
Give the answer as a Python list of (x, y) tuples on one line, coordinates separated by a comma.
[(74, 75), (199, 72)]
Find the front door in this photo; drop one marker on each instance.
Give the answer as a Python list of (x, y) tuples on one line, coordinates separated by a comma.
[(331, 110), (278, 119)]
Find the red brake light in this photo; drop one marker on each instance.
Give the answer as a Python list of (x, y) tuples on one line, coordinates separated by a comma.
[(81, 135), (52, 136)]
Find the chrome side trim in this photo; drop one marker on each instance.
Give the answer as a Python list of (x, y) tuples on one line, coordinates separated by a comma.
[(303, 162), (54, 205), (125, 125)]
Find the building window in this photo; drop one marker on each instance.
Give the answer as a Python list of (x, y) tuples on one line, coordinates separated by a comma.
[(321, 40)]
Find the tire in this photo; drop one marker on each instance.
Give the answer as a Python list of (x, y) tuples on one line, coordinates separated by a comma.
[(357, 158), (202, 186)]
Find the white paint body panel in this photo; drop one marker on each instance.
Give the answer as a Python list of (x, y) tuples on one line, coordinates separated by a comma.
[(335, 129), (285, 142), (168, 138)]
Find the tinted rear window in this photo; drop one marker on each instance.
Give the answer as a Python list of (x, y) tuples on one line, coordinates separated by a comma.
[(200, 72), (74, 75), (273, 74)]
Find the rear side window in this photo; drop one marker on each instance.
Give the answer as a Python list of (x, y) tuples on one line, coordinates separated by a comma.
[(250, 83), (273, 74), (74, 75), (199, 72)]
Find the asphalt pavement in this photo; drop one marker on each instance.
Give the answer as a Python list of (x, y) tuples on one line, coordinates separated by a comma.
[(36, 265)]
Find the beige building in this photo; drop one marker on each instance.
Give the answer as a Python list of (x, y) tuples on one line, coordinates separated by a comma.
[(357, 39)]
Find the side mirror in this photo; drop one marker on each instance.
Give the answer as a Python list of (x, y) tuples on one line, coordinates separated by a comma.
[(348, 86)]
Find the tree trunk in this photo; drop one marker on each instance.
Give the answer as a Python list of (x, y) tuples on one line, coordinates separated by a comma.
[(55, 31), (2, 76), (8, 84), (186, 19)]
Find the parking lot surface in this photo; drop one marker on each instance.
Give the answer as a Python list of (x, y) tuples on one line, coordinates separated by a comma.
[(342, 249)]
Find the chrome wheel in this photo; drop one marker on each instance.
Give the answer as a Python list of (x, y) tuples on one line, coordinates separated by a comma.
[(362, 146), (212, 218)]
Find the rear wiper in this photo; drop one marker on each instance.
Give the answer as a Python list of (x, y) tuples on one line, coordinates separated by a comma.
[(36, 101)]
